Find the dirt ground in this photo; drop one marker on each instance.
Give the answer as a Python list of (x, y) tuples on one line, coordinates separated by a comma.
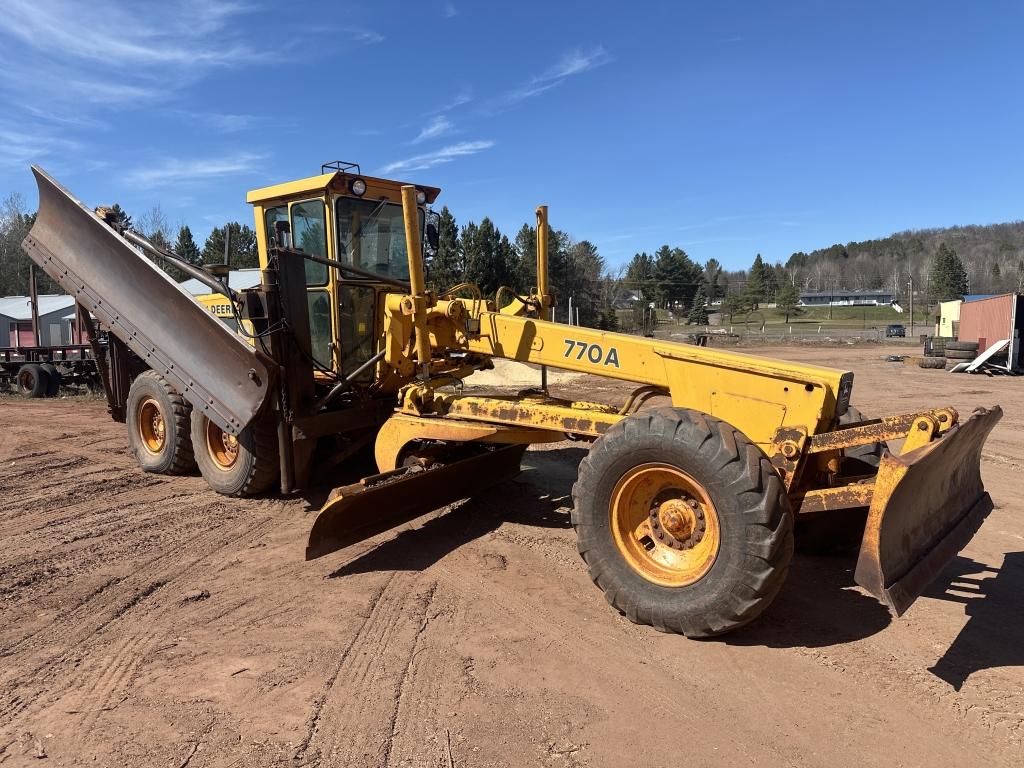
[(147, 621)]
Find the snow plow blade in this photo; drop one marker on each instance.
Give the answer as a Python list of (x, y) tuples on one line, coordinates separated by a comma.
[(208, 363), (378, 503), (927, 505)]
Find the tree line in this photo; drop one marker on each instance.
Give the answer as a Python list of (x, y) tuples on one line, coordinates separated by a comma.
[(16, 221), (944, 263)]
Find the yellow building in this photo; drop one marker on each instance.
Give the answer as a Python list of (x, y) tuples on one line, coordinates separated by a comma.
[(949, 319)]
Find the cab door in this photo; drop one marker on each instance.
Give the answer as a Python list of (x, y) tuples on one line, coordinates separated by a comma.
[(308, 219)]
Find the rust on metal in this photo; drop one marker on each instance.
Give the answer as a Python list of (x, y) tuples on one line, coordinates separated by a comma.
[(559, 416), (878, 430), (831, 499), (927, 505), (789, 447)]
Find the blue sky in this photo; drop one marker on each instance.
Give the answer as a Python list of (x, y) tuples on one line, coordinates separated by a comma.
[(725, 128)]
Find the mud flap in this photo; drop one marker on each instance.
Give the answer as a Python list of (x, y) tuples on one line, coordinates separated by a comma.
[(927, 505), (380, 502)]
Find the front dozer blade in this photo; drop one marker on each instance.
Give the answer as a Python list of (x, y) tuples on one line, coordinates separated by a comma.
[(380, 502), (927, 504)]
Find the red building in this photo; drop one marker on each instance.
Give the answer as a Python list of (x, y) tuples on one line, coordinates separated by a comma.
[(987, 321)]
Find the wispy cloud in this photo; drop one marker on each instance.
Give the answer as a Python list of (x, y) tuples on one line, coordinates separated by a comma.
[(449, 11), (439, 126), (22, 145), (573, 63), (73, 56), (462, 97), (110, 32), (170, 171), (368, 36), (444, 155)]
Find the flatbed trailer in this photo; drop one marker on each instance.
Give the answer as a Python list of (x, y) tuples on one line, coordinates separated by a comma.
[(41, 371)]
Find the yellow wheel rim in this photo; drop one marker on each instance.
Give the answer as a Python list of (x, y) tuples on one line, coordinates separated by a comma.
[(151, 425), (222, 447), (664, 524)]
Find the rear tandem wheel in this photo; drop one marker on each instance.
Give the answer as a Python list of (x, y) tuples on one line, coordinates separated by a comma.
[(242, 465), (683, 522), (157, 419)]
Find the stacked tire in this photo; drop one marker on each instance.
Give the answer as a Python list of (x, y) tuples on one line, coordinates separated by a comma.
[(960, 351)]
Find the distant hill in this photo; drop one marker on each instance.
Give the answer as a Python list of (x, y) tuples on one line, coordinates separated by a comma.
[(993, 255)]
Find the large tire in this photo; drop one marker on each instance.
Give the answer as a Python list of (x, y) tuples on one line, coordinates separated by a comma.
[(53, 381), (869, 454), (158, 426), (33, 380), (959, 354), (931, 362), (962, 346), (242, 466), (725, 479)]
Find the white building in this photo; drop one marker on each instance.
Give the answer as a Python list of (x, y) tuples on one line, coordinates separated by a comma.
[(838, 298), (55, 328)]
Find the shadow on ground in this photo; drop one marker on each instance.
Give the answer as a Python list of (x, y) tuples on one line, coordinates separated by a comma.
[(818, 606), (994, 633), (538, 497)]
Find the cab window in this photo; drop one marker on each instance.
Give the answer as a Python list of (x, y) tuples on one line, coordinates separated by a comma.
[(309, 234), (371, 236), (271, 216)]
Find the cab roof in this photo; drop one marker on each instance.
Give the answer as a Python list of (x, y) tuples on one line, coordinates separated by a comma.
[(338, 182)]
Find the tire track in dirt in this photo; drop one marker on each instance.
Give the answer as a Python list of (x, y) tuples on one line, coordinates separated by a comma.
[(354, 720), (50, 654)]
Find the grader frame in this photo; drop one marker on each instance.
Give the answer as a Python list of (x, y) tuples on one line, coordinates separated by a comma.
[(708, 487)]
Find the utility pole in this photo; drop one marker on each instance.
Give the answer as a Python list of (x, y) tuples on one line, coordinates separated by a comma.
[(33, 298), (911, 284)]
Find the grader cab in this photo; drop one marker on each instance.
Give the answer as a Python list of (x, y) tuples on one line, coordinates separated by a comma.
[(684, 515)]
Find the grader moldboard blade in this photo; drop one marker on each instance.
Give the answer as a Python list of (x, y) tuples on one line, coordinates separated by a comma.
[(378, 503), (926, 506), (212, 366)]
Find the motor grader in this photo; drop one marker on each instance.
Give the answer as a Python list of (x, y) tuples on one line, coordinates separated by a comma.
[(684, 515)]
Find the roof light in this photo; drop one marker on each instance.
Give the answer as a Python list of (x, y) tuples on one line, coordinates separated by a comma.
[(358, 187), (421, 197)]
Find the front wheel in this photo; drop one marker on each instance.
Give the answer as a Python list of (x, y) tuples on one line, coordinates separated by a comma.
[(242, 465), (683, 522)]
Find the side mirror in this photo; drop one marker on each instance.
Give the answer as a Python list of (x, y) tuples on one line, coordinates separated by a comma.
[(433, 236)]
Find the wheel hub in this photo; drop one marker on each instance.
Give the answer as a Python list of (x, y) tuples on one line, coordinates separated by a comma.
[(678, 523), (152, 428), (222, 447), (664, 524)]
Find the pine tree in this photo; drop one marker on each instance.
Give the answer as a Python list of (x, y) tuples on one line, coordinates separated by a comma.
[(119, 217), (712, 274), (699, 311), (948, 278), (787, 299), (640, 276), (448, 267), (185, 246), (490, 258), (754, 291), (243, 253)]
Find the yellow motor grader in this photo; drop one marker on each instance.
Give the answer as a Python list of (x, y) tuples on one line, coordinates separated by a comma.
[(684, 515)]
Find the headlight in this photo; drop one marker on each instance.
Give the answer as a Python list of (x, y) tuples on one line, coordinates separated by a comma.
[(358, 187), (421, 197)]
